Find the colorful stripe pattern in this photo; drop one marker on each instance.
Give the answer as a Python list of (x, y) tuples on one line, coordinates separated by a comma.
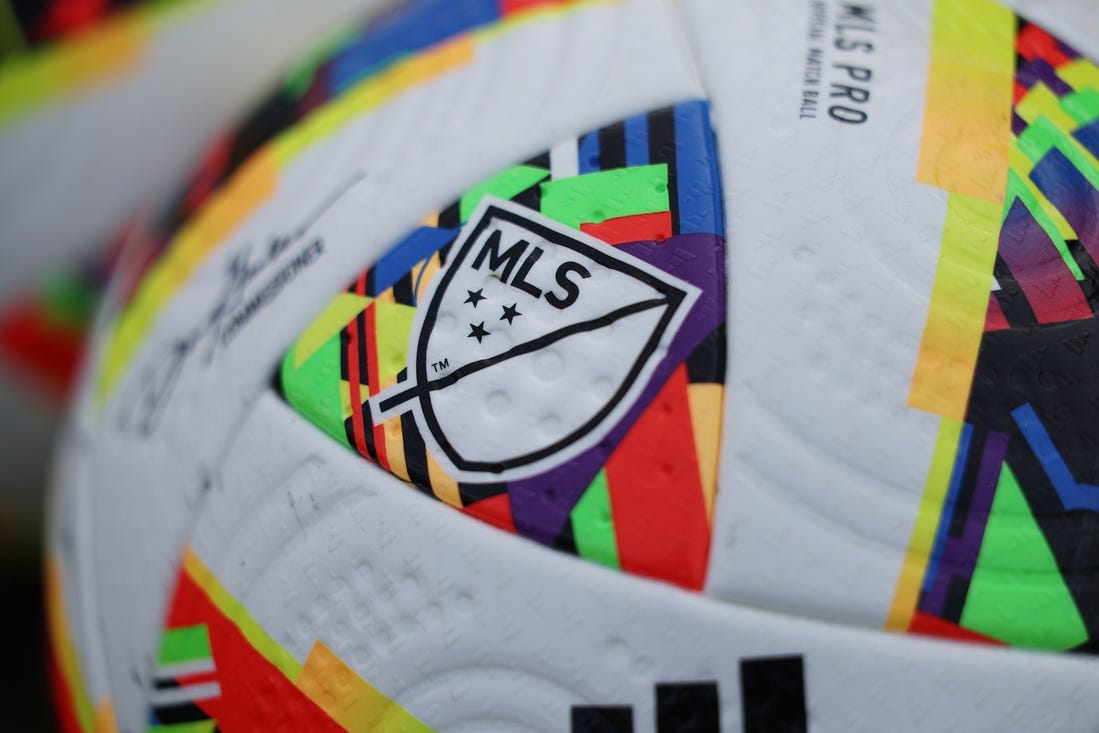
[(219, 670), (641, 499), (52, 48), (355, 71), (1003, 551), (31, 23)]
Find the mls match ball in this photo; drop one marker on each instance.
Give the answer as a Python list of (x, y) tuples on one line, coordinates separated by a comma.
[(636, 365)]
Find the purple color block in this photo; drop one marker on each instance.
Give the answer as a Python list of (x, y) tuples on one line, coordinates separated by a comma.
[(1040, 70), (1018, 124), (1038, 267), (960, 552), (1073, 195)]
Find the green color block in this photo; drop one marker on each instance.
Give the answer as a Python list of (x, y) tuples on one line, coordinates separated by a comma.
[(185, 644), (1017, 189), (313, 389), (596, 197), (301, 75), (1042, 136), (592, 525), (1082, 105), (68, 299), (198, 726), (510, 183), (1017, 594)]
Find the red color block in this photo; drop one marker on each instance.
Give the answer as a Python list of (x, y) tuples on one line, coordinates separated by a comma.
[(1034, 42), (1038, 267), (656, 492), (68, 16), (62, 698), (995, 320), (495, 510), (510, 7), (255, 695), (1020, 92), (373, 386), (928, 625), (210, 173), (637, 228), (46, 353)]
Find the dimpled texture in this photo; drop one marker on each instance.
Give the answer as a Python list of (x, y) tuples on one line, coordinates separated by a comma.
[(856, 271)]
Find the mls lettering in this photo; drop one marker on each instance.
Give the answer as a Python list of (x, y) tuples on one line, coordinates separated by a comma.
[(528, 277)]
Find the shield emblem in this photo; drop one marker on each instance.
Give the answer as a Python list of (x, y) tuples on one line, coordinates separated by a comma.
[(534, 341)]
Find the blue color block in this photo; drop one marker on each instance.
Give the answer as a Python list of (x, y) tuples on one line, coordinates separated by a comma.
[(405, 31), (637, 140), (1088, 136), (588, 153), (416, 247), (697, 171), (1073, 495), (948, 506)]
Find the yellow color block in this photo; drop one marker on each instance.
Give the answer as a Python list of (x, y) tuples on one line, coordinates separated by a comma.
[(111, 49), (341, 311), (1039, 101), (393, 325), (959, 306), (232, 609), (104, 718), (967, 117), (907, 594), (394, 447), (442, 485), (706, 402), (1080, 74), (350, 700)]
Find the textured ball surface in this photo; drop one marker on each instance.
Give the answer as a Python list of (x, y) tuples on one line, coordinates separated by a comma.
[(753, 342)]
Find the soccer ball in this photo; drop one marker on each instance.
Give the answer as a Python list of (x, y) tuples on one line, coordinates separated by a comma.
[(760, 334)]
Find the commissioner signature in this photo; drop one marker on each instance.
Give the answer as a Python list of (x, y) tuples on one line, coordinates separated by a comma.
[(146, 400)]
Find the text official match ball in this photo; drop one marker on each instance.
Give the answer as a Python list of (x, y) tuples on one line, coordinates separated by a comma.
[(640, 365)]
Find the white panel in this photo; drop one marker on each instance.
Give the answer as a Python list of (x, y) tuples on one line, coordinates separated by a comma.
[(833, 247), (469, 628)]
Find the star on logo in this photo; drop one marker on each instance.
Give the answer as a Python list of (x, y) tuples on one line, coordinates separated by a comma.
[(475, 297), (510, 312), (477, 331)]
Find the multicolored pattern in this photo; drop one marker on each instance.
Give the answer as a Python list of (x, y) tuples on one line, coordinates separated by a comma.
[(185, 677), (42, 332), (1008, 541), (30, 23), (75, 708), (49, 48), (639, 500), (356, 71), (219, 670)]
